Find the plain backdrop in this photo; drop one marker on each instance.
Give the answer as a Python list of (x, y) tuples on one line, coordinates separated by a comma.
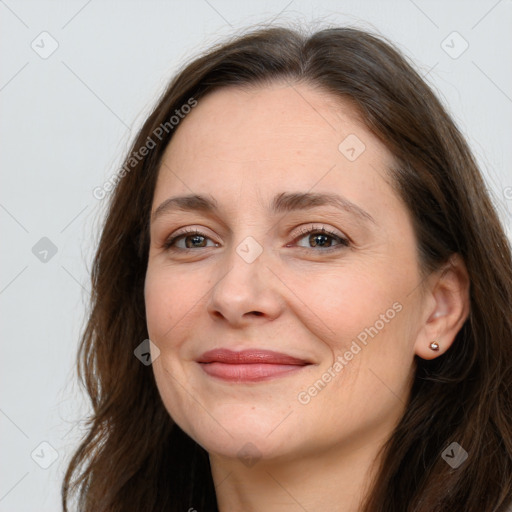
[(76, 81)]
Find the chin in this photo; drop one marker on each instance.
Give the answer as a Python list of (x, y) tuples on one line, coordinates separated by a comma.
[(247, 449), (245, 438)]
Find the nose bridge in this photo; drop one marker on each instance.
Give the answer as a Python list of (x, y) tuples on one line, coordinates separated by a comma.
[(244, 285), (244, 268)]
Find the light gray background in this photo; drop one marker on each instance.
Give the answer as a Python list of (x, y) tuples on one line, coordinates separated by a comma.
[(67, 120)]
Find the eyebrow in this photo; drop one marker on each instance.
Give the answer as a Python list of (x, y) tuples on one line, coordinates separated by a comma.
[(282, 203)]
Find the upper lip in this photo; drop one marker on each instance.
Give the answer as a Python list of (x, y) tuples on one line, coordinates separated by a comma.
[(249, 356)]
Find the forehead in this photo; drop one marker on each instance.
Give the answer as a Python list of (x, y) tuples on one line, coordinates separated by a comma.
[(286, 117), (286, 136)]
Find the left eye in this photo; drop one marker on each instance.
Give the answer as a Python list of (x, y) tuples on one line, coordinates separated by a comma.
[(322, 238)]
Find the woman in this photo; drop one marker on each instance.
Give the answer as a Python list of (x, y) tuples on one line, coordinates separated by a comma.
[(303, 234)]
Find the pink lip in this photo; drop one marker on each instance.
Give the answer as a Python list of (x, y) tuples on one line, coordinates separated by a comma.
[(248, 365)]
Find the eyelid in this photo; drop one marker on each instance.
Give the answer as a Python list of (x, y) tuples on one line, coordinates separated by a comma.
[(320, 228), (344, 241), (173, 238)]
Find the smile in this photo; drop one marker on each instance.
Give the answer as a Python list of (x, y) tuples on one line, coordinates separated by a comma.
[(249, 365)]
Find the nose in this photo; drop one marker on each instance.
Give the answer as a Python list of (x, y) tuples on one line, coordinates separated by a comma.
[(245, 290)]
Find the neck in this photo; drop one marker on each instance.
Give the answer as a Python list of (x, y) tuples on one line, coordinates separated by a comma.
[(338, 479)]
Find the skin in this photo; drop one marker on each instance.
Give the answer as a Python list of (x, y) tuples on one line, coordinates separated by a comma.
[(242, 147)]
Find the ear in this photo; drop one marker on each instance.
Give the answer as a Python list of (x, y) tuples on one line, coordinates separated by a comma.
[(447, 308)]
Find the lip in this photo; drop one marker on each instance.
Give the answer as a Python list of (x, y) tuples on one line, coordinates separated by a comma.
[(249, 365)]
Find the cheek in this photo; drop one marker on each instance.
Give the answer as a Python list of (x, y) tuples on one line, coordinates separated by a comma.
[(347, 300), (169, 297), (364, 314)]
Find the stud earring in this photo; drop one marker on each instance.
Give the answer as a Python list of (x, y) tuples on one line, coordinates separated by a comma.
[(434, 346)]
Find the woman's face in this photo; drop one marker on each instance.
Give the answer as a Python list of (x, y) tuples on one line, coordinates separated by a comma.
[(275, 166)]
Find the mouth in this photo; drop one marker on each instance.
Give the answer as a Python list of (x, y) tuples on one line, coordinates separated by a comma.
[(250, 365)]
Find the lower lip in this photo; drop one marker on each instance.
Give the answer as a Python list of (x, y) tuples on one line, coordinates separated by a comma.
[(249, 372)]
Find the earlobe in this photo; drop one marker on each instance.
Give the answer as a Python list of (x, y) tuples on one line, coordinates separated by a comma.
[(431, 350), (449, 308), (434, 346)]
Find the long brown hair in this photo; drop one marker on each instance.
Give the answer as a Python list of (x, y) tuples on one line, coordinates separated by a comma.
[(135, 458)]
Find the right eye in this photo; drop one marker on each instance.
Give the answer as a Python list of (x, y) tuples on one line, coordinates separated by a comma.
[(193, 239)]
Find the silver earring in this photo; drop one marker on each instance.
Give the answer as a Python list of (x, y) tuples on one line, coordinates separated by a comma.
[(434, 346)]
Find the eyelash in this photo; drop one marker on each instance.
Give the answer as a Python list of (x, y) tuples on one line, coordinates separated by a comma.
[(343, 242)]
